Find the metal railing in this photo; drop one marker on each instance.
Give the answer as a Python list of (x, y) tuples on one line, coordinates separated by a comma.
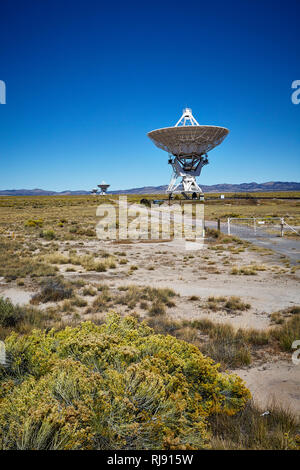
[(256, 226)]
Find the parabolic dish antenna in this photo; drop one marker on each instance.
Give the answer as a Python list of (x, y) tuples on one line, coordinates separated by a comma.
[(188, 144), (103, 187)]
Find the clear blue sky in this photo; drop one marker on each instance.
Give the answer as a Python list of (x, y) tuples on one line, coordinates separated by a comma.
[(86, 80)]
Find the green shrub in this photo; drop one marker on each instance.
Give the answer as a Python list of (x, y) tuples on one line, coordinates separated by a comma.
[(34, 223), (47, 234), (22, 318), (114, 386), (10, 315), (145, 202)]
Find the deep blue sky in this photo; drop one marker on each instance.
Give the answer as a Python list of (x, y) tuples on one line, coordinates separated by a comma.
[(86, 80)]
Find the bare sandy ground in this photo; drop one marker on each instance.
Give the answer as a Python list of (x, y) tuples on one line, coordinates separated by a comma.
[(16, 296), (277, 382)]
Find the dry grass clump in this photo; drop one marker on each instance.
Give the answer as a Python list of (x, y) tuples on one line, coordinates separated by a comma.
[(88, 261), (287, 333), (52, 291), (164, 325), (135, 293), (56, 258), (103, 301), (230, 240), (226, 346), (232, 348), (235, 303), (221, 331), (163, 295), (232, 304), (133, 267), (277, 318), (235, 250), (281, 336), (194, 298), (280, 316), (78, 301), (131, 296), (157, 308), (87, 232), (213, 233), (79, 282), (89, 291), (232, 354), (215, 303), (249, 270), (250, 429), (147, 298), (144, 305), (218, 341), (67, 306)]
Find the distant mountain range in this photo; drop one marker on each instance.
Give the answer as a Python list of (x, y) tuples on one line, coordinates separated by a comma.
[(39, 192), (215, 188), (222, 188)]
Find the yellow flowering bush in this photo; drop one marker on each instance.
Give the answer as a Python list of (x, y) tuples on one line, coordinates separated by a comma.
[(114, 386)]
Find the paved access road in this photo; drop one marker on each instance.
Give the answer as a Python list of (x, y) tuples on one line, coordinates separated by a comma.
[(282, 246)]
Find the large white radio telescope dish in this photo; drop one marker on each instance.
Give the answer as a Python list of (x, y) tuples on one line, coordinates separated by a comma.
[(188, 142)]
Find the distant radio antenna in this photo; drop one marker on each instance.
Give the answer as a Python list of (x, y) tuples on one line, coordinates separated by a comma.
[(103, 188)]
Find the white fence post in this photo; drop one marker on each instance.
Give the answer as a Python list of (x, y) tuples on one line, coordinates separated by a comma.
[(281, 227), (228, 225)]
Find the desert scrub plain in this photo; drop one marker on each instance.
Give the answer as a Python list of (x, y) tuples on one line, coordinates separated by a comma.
[(130, 321)]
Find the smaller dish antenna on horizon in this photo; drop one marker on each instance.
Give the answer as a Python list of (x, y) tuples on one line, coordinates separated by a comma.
[(103, 187)]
